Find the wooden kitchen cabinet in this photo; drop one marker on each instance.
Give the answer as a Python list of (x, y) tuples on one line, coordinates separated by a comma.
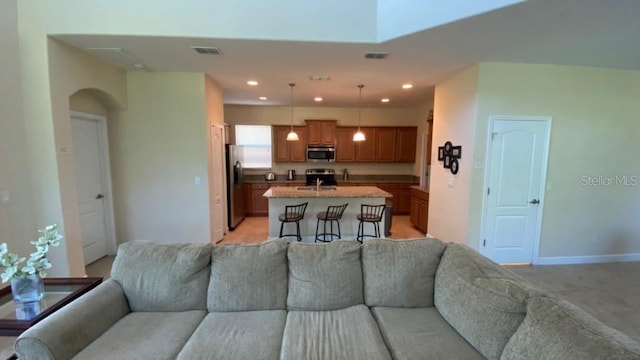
[(396, 145), (255, 203), (386, 144), (406, 139), (345, 146), (321, 132), (401, 196), (289, 151), (419, 209), (403, 205), (366, 150)]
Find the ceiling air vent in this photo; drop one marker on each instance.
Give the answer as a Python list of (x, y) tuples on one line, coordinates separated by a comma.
[(376, 55), (319, 77), (207, 50)]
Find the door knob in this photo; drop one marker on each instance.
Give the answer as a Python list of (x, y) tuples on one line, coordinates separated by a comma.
[(534, 201), (99, 196)]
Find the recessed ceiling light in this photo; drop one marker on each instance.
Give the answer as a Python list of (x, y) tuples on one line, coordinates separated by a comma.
[(252, 83), (139, 66), (262, 98), (317, 99), (385, 100), (407, 86)]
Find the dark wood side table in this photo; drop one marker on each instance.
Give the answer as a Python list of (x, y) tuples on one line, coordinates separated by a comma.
[(58, 292)]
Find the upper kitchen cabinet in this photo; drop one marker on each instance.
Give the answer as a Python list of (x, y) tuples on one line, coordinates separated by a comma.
[(396, 145), (321, 132), (366, 150), (289, 151), (382, 144), (406, 138), (345, 146), (386, 144)]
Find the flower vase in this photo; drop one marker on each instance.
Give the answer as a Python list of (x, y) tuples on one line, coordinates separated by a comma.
[(27, 288)]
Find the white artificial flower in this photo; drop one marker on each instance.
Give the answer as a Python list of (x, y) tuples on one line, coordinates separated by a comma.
[(37, 263)]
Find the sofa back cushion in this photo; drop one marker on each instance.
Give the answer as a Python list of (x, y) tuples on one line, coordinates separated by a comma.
[(484, 302), (400, 273), (248, 277), (556, 329), (163, 277), (324, 276)]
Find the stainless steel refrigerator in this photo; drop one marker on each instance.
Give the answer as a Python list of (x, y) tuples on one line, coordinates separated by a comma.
[(235, 191)]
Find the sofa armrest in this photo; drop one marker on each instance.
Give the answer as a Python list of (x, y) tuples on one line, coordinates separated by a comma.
[(67, 331)]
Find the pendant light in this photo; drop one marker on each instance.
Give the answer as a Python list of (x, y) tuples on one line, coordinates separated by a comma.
[(292, 136), (359, 136)]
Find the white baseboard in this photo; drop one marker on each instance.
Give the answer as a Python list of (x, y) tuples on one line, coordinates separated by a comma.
[(592, 259), (430, 236)]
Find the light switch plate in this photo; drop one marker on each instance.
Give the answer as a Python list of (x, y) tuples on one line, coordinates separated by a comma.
[(5, 197)]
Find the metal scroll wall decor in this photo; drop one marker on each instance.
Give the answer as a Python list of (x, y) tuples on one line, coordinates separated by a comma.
[(450, 155)]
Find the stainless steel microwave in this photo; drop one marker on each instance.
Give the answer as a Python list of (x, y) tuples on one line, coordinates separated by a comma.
[(321, 153)]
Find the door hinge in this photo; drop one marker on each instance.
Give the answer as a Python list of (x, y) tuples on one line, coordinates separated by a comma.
[(484, 242), (493, 135), (488, 191)]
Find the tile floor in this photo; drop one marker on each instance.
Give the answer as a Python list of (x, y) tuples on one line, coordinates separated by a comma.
[(610, 291)]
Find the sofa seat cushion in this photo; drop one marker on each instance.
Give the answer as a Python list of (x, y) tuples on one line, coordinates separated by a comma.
[(148, 335), (248, 277), (421, 333), (484, 302), (349, 333), (324, 276), (163, 277), (558, 330), (237, 335), (400, 273)]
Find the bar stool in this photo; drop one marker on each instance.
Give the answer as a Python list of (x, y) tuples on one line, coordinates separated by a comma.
[(292, 213), (333, 213), (370, 214)]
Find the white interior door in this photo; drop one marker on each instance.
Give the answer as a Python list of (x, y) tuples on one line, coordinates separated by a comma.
[(88, 164), (517, 157), (219, 208)]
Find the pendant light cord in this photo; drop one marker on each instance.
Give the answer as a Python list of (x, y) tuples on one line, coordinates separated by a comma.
[(359, 105), (292, 85)]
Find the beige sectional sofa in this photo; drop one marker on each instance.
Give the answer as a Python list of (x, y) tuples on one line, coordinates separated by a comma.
[(385, 299)]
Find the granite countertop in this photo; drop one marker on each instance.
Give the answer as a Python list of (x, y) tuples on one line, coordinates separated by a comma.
[(379, 179), (336, 192), (420, 188), (300, 179)]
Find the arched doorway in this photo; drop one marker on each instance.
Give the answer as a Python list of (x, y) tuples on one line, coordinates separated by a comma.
[(89, 110)]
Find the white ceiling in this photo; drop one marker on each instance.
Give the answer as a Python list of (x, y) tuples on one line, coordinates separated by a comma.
[(566, 32)]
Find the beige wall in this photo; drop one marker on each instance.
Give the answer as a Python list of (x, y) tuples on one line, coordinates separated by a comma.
[(85, 101), (72, 71), (595, 127), (17, 225), (158, 146), (455, 112), (595, 120), (281, 115), (50, 73)]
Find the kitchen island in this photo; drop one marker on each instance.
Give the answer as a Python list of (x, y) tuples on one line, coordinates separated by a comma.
[(319, 200)]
